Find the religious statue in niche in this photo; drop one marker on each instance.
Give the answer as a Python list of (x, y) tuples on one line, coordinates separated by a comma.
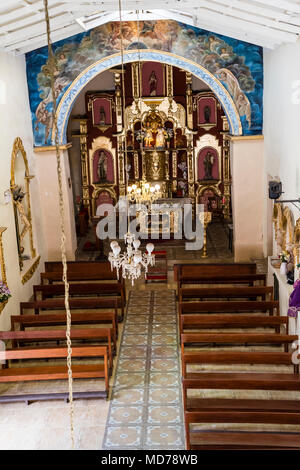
[(207, 114), (208, 163), (148, 135), (160, 137), (102, 167), (153, 84), (102, 117), (18, 196)]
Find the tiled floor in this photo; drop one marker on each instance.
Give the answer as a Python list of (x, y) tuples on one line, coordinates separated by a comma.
[(145, 410)]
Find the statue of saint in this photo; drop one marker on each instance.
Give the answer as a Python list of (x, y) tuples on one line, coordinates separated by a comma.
[(102, 167), (160, 137), (102, 119), (207, 113), (208, 165), (153, 84), (18, 196), (148, 135)]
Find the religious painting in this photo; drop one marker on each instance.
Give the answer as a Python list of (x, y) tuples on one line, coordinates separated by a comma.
[(101, 112), (208, 164), (210, 200), (103, 167), (153, 79), (104, 197), (206, 111)]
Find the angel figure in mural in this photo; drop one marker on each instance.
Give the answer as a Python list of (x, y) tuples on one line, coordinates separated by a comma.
[(153, 84), (148, 135), (44, 117), (208, 163), (241, 101), (18, 196), (102, 167)]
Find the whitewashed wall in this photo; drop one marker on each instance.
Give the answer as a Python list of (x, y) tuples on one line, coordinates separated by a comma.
[(282, 125), (15, 122)]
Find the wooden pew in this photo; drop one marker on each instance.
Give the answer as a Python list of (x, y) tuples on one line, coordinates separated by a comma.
[(229, 293), (96, 334), (224, 410), (45, 372), (199, 270), (211, 321), (247, 279), (192, 339), (238, 439), (222, 307), (56, 319), (234, 357), (83, 290), (84, 266), (59, 304)]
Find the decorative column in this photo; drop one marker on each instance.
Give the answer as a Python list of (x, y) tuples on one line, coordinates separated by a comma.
[(189, 100), (226, 178), (2, 265), (190, 164), (85, 166)]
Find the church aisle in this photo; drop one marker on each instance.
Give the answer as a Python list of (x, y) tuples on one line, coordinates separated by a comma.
[(146, 409)]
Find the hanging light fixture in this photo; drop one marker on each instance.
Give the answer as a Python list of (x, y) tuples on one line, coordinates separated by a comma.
[(132, 261), (145, 194)]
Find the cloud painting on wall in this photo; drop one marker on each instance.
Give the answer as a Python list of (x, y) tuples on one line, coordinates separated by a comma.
[(237, 64)]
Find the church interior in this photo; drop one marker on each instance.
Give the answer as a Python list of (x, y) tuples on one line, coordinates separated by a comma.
[(150, 226)]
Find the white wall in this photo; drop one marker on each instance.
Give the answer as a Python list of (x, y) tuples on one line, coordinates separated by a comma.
[(15, 121), (282, 125)]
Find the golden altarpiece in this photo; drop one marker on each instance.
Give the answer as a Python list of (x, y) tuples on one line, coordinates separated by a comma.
[(168, 133)]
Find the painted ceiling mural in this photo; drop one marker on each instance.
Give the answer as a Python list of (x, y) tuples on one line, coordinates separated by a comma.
[(238, 65)]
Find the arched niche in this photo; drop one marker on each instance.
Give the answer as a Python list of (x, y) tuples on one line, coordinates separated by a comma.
[(103, 167), (208, 164), (20, 190)]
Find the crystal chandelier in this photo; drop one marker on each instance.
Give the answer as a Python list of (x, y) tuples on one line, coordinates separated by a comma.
[(132, 260), (144, 194)]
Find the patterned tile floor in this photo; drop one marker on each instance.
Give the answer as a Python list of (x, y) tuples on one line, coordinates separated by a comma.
[(145, 409)]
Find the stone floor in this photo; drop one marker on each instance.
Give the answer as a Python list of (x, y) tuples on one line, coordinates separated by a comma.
[(146, 409)]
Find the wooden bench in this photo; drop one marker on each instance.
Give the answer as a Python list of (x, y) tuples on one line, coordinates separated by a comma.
[(202, 321), (82, 290), (82, 304), (248, 279), (234, 357), (222, 307), (56, 319), (229, 293), (211, 270), (224, 410), (17, 338), (192, 339), (80, 271), (56, 372)]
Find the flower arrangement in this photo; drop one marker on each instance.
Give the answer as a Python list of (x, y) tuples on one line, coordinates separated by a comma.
[(284, 256), (4, 292)]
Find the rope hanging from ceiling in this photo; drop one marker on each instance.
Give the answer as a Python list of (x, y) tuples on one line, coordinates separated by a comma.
[(51, 60)]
